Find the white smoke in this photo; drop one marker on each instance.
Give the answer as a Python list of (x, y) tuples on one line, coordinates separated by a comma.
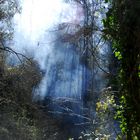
[(31, 36), (36, 18)]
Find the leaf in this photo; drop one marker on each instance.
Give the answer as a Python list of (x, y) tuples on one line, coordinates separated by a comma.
[(106, 1), (118, 55)]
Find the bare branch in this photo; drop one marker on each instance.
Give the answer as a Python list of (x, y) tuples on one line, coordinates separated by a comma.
[(10, 50)]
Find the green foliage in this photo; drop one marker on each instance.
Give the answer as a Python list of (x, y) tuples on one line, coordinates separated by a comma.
[(16, 103), (121, 27), (120, 115), (105, 111), (139, 72)]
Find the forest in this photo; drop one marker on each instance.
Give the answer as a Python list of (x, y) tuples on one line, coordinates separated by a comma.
[(69, 70)]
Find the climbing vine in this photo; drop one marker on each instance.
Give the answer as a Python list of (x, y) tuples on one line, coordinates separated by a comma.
[(121, 27)]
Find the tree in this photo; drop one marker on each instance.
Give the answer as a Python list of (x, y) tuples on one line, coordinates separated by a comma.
[(122, 28)]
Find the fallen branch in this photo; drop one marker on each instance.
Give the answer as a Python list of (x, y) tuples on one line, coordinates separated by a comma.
[(70, 114), (86, 123)]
